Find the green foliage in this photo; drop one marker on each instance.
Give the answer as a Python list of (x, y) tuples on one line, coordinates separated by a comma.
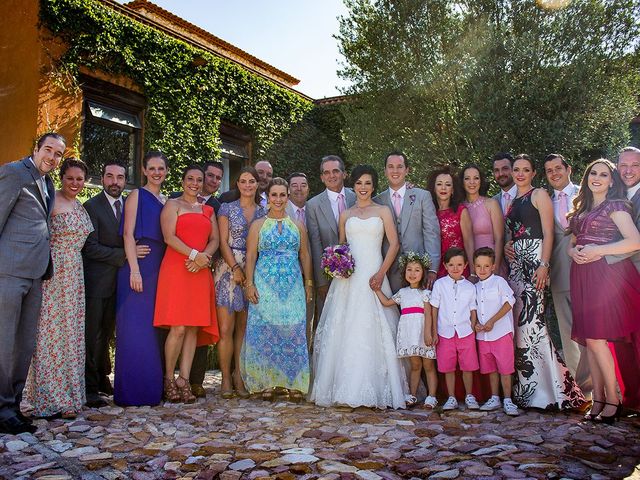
[(186, 100), (301, 149), (456, 81)]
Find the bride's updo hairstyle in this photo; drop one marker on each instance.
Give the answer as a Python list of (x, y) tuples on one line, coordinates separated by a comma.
[(361, 170)]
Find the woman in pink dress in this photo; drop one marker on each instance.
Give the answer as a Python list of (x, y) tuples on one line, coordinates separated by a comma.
[(487, 221), (455, 221), (601, 224)]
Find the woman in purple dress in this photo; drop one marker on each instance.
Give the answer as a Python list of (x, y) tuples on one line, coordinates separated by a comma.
[(601, 224), (234, 220), (487, 221), (138, 366)]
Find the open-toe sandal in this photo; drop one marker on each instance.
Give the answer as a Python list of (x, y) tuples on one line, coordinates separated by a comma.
[(171, 393), (268, 395), (296, 396), (186, 395)]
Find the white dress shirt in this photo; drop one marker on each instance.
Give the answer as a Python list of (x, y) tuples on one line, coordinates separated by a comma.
[(632, 191), (401, 191), (491, 294), (454, 301), (513, 191), (112, 201), (333, 198), (568, 190)]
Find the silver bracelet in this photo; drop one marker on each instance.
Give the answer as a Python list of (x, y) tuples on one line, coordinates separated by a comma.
[(192, 255)]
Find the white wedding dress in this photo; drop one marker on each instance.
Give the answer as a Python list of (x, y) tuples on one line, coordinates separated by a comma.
[(354, 356)]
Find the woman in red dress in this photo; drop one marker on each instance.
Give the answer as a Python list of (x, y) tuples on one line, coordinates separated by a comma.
[(605, 298), (455, 221), (185, 299)]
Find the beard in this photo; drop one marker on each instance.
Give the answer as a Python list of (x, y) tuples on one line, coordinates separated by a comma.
[(114, 190)]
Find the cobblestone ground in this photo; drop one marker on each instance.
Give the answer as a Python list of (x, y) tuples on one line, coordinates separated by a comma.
[(254, 439)]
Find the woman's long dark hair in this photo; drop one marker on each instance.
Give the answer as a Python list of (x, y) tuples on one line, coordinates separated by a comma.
[(484, 185), (458, 192), (235, 192), (584, 200)]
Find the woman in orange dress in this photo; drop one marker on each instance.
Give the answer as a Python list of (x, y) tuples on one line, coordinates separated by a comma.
[(185, 300)]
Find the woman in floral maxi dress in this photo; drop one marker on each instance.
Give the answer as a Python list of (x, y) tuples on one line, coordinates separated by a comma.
[(55, 385)]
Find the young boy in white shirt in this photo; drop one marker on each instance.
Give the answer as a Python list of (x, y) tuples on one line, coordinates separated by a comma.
[(453, 299), (494, 330)]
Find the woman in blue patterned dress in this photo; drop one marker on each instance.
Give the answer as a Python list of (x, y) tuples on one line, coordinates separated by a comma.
[(234, 220), (274, 354)]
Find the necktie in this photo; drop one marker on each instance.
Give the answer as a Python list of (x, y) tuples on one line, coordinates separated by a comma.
[(118, 206), (507, 202), (301, 217), (200, 199), (396, 203), (341, 205), (563, 209)]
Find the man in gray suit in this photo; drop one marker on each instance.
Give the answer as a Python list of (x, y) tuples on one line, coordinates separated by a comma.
[(629, 352), (322, 214), (558, 173), (415, 217), (629, 169), (26, 201)]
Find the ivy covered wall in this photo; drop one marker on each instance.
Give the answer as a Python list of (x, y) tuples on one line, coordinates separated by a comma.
[(187, 98)]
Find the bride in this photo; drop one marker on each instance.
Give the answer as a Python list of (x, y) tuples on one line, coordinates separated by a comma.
[(354, 355)]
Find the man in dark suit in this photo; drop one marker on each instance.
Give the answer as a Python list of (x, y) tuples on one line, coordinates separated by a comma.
[(103, 254), (26, 198), (213, 173)]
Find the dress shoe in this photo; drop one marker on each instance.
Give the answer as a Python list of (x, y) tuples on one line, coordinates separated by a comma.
[(95, 401), (26, 420), (105, 386), (198, 390), (14, 426)]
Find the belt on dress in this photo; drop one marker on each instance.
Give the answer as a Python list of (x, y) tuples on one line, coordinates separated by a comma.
[(408, 310)]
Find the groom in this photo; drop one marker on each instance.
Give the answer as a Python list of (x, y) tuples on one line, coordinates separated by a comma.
[(322, 213), (415, 217)]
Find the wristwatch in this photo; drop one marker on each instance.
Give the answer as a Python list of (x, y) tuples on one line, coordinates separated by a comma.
[(542, 263)]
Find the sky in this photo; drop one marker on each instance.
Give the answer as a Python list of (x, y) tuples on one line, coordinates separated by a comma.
[(295, 36)]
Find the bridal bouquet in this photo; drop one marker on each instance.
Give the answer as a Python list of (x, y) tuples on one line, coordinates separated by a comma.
[(337, 261)]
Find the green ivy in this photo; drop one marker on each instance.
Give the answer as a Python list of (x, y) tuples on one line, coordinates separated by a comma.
[(186, 100)]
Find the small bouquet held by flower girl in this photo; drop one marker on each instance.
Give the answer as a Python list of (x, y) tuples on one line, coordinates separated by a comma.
[(337, 261)]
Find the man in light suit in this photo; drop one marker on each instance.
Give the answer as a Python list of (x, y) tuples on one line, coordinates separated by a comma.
[(629, 352), (27, 195), (629, 169), (322, 214), (558, 173), (415, 216)]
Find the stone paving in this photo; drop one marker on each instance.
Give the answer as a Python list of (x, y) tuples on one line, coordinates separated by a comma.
[(254, 439)]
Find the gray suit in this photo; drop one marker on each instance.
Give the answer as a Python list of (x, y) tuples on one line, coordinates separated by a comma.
[(575, 355), (418, 229), (635, 257), (25, 259), (323, 229)]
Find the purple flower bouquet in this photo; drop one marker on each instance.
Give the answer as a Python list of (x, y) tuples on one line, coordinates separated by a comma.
[(337, 261)]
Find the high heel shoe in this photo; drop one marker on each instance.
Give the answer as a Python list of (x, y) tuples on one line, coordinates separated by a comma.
[(610, 419), (171, 393), (591, 416), (186, 394)]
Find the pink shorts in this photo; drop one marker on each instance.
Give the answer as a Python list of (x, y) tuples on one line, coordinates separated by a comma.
[(451, 351), (497, 355)]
